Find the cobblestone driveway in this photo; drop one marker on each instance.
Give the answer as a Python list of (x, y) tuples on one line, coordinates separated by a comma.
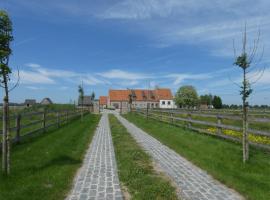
[(98, 179), (193, 183)]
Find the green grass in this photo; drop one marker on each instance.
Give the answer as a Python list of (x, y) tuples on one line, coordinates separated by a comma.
[(222, 159), (136, 171), (43, 167)]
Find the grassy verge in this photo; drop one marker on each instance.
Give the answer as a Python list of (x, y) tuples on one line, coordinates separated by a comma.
[(43, 167), (135, 167), (222, 159)]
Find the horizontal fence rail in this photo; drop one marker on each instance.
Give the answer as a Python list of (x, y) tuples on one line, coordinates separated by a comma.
[(27, 124), (214, 114), (170, 116)]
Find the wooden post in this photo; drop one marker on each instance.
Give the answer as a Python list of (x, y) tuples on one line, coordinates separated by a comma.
[(121, 107), (171, 114), (189, 117), (245, 133), (67, 116), (147, 110), (18, 128), (219, 121), (58, 119), (44, 121)]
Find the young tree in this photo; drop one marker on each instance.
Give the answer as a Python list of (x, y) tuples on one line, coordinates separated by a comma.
[(93, 95), (186, 96), (244, 62), (5, 71), (217, 102), (81, 98)]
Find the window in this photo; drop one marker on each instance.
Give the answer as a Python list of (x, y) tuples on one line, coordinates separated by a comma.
[(163, 102), (169, 103)]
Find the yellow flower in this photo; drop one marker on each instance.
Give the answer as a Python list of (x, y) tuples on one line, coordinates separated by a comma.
[(253, 138)]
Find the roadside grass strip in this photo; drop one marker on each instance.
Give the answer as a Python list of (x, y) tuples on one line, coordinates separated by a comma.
[(135, 168), (220, 158), (43, 167)]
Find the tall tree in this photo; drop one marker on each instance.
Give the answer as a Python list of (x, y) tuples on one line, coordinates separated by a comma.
[(244, 62), (5, 71), (186, 96), (206, 99), (217, 102), (81, 98)]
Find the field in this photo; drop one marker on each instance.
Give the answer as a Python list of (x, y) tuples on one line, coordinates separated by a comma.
[(49, 160), (220, 158)]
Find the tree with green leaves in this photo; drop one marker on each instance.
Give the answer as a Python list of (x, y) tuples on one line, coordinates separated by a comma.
[(217, 102), (186, 96), (206, 99), (5, 72), (244, 61), (81, 98)]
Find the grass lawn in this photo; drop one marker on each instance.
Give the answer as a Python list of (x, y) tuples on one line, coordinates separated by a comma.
[(222, 159), (43, 167), (135, 167)]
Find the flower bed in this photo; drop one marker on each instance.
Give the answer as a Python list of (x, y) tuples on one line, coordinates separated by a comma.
[(253, 138)]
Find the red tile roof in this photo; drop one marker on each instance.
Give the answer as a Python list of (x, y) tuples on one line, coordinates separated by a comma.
[(141, 95), (164, 94), (119, 95), (103, 100)]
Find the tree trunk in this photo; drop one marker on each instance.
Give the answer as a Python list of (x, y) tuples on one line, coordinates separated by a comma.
[(6, 137), (4, 141), (245, 134)]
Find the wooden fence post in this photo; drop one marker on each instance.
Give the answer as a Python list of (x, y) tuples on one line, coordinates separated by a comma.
[(147, 110), (44, 121), (67, 116), (219, 121), (58, 119), (189, 118), (171, 117), (18, 128)]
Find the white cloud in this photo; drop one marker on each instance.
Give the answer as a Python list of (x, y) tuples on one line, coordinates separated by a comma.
[(260, 77), (90, 80), (179, 78), (120, 74), (33, 88), (33, 65), (129, 83), (41, 75), (30, 77)]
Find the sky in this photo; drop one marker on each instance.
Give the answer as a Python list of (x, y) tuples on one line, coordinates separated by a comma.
[(116, 44)]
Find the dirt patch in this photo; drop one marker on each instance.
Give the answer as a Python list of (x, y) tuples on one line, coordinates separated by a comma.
[(161, 174), (125, 192)]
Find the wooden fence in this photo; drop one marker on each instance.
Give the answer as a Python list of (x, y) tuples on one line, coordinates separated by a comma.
[(194, 124), (27, 124), (224, 112)]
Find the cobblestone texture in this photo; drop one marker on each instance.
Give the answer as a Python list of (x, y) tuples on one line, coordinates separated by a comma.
[(97, 178), (192, 182)]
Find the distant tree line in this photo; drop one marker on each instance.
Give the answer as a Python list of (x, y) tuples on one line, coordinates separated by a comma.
[(187, 97)]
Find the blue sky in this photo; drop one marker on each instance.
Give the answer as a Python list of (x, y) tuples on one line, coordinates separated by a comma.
[(135, 44)]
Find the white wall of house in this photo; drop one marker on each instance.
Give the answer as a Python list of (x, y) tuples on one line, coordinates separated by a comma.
[(166, 104)]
